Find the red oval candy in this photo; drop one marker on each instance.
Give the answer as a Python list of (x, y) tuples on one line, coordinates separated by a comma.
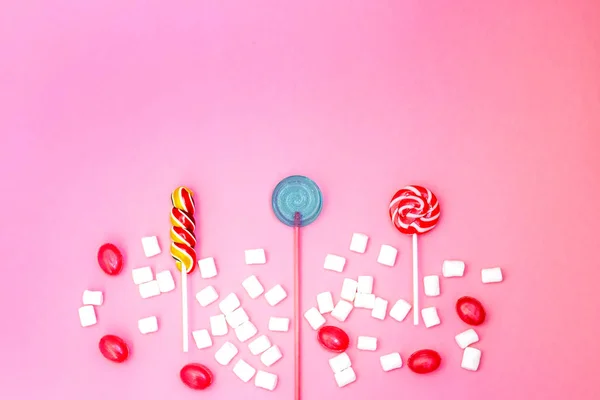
[(196, 376), (110, 259), (470, 310), (424, 361), (333, 338), (114, 348)]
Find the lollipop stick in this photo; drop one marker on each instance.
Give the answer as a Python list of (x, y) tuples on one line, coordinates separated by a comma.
[(184, 308), (297, 302), (415, 274)]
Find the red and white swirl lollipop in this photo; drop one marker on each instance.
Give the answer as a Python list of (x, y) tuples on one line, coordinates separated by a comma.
[(414, 210)]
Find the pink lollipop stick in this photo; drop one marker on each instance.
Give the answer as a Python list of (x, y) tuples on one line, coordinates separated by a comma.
[(297, 301)]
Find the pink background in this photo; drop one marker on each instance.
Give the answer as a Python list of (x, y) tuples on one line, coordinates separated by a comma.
[(106, 106)]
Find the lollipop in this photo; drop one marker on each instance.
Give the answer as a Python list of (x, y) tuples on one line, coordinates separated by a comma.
[(414, 210), (182, 246), (297, 201)]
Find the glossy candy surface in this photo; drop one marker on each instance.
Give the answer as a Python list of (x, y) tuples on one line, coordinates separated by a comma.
[(114, 348), (333, 338), (196, 376), (470, 310), (110, 259), (414, 209), (424, 361)]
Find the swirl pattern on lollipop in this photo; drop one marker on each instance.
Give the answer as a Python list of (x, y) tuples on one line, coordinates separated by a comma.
[(414, 209), (297, 194), (182, 231)]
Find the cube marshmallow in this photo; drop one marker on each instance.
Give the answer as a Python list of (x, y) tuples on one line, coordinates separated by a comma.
[(265, 380), (149, 289), (207, 296), (471, 359), (275, 295), (148, 325), (334, 263), (202, 339), (365, 284), (150, 245), (387, 255), (342, 310), (390, 361), (358, 243), (400, 310), (466, 338), (218, 325), (345, 377), (453, 268), (349, 289), (244, 371), (366, 343), (379, 308), (340, 362), (142, 275), (430, 317), (431, 283), (92, 298), (87, 316), (237, 317), (277, 324), (229, 303), (364, 300), (259, 345), (491, 275), (325, 302), (245, 331), (208, 268), (165, 281), (226, 353), (271, 356), (253, 287), (255, 256), (314, 318)]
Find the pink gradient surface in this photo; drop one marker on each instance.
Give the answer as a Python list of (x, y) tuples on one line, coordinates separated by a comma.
[(106, 106)]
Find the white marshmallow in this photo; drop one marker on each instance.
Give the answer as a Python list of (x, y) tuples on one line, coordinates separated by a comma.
[(265, 380), (87, 316), (148, 325), (255, 256), (92, 298), (207, 296), (218, 325), (340, 362), (387, 255), (430, 317), (253, 286), (149, 289), (237, 317), (150, 245), (390, 361), (453, 268), (471, 359), (165, 281), (277, 324), (245, 331), (334, 263), (226, 353), (431, 283), (314, 318), (229, 303), (345, 377), (379, 308), (202, 339), (275, 295), (365, 284), (271, 356), (244, 371), (349, 289), (366, 343), (142, 275), (359, 242), (259, 345), (325, 302), (208, 268), (342, 310), (400, 310), (491, 275), (466, 338), (364, 300)]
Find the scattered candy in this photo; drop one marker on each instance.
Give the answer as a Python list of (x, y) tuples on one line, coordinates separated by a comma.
[(229, 303), (359, 242), (349, 289), (340, 363), (150, 245), (237, 317), (148, 325), (218, 325), (277, 324), (255, 256), (259, 345), (471, 358), (142, 275), (453, 268), (334, 263), (342, 310), (466, 338), (113, 348), (366, 343), (271, 356), (226, 353), (387, 255), (87, 316), (333, 338), (253, 287), (314, 318), (470, 311), (149, 289), (110, 259), (345, 377), (424, 361), (196, 376), (165, 281), (207, 267), (265, 380), (92, 298), (390, 361), (244, 371), (275, 295), (400, 310), (325, 302), (430, 317), (491, 275), (202, 339), (245, 331), (380, 308), (363, 300), (365, 284), (432, 285)]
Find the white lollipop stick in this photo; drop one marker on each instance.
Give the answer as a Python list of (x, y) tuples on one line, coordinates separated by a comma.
[(415, 273), (184, 309)]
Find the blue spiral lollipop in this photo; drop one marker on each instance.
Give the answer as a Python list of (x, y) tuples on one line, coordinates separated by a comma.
[(297, 194)]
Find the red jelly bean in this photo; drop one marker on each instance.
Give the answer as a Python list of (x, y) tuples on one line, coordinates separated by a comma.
[(333, 338), (114, 348), (424, 361), (110, 259), (470, 310), (196, 376)]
